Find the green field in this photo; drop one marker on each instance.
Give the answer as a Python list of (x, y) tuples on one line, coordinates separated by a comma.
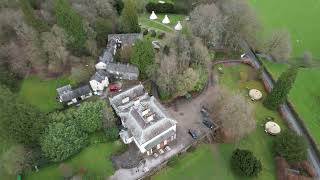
[(212, 161), (300, 18), (95, 159), (42, 93), (304, 96)]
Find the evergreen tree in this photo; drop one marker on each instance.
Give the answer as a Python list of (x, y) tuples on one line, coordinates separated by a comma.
[(129, 18), (244, 163), (142, 56), (281, 89), (72, 23)]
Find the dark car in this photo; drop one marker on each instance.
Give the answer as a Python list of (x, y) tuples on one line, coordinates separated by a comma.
[(204, 111), (193, 134), (208, 123)]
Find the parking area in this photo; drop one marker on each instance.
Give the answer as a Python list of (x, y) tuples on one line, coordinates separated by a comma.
[(187, 113)]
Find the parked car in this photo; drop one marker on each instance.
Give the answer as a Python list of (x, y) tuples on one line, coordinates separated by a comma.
[(193, 134), (204, 111), (114, 87), (208, 123)]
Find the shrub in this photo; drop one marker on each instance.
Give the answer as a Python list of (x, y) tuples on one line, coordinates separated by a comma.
[(153, 33), (160, 8), (166, 49), (161, 35), (145, 32), (112, 134), (244, 163), (291, 146)]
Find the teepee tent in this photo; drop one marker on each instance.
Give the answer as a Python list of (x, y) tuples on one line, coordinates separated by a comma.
[(178, 27), (153, 16), (165, 20)]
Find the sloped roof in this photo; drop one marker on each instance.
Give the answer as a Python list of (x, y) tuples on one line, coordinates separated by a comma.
[(121, 68), (68, 96), (129, 38), (99, 76), (64, 89), (130, 113)]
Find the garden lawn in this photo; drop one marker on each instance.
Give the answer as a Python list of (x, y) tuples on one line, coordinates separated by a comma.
[(95, 159), (42, 93), (157, 24), (213, 161), (304, 96), (298, 17)]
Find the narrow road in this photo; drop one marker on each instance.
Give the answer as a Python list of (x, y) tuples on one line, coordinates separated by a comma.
[(287, 113)]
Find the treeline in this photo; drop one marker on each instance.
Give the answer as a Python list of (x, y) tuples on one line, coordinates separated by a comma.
[(59, 37), (40, 138)]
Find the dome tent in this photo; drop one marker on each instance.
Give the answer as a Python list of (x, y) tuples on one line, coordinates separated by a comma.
[(166, 20)]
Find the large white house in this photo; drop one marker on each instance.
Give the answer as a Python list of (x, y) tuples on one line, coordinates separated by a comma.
[(145, 120)]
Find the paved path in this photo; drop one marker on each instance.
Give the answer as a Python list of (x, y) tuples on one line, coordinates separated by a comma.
[(287, 113)]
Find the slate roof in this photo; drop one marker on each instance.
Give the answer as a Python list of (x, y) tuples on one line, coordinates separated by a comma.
[(142, 130), (121, 68), (107, 56), (129, 38), (64, 89), (99, 76), (71, 94)]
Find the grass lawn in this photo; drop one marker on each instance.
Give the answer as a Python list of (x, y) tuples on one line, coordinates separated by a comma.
[(157, 24), (42, 93), (95, 159), (212, 161), (304, 96), (298, 17)]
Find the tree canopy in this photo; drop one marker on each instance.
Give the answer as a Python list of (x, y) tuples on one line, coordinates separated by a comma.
[(62, 139), (89, 115), (129, 18), (72, 23), (291, 146), (244, 163), (20, 121), (142, 56), (278, 94)]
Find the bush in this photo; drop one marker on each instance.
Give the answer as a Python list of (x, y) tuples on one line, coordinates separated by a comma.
[(160, 8), (112, 133), (291, 146), (145, 32), (244, 163), (166, 49), (161, 35), (153, 33)]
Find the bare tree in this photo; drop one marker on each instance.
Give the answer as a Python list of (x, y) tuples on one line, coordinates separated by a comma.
[(207, 23), (200, 54), (278, 46), (186, 82), (240, 23), (234, 113), (109, 119)]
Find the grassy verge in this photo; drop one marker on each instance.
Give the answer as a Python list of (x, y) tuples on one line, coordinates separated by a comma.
[(213, 161), (304, 96), (95, 159), (42, 93)]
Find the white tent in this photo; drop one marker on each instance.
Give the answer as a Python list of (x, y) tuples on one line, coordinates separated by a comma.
[(255, 94), (178, 27), (153, 16), (165, 20), (272, 128)]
